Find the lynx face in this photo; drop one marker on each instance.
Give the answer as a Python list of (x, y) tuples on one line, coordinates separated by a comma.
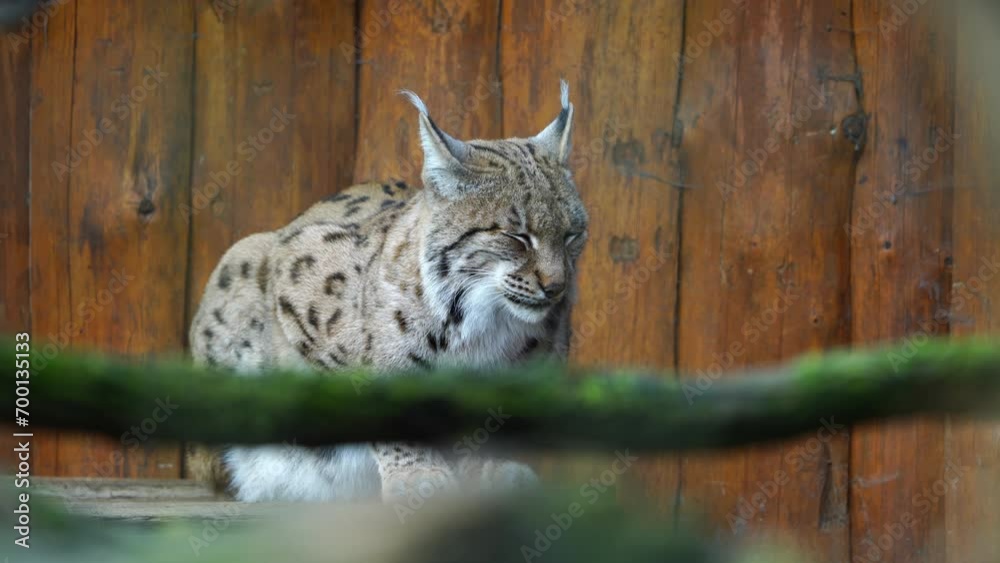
[(512, 224), (525, 227)]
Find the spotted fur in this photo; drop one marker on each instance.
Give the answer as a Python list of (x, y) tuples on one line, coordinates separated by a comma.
[(477, 268)]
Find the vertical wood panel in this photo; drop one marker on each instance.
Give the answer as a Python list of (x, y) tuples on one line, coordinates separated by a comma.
[(764, 272), (130, 130), (973, 509), (708, 114), (15, 83), (253, 60), (615, 56), (214, 190), (51, 125), (901, 254), (323, 149), (441, 51), (15, 313)]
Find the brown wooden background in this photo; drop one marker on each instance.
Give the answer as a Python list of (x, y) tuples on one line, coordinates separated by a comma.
[(676, 270)]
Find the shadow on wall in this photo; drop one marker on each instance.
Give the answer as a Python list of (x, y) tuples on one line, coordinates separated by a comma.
[(13, 12)]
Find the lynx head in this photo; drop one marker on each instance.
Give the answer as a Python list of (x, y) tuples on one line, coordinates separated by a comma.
[(507, 222)]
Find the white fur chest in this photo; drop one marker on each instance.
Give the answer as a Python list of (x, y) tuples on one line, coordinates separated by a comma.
[(488, 336)]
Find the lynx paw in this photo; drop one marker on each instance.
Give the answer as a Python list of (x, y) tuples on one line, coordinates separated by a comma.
[(420, 483)]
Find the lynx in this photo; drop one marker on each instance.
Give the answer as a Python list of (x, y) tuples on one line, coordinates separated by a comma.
[(476, 269)]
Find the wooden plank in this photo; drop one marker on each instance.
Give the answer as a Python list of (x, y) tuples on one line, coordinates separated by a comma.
[(147, 511), (900, 267), (15, 84), (440, 50), (973, 508), (624, 160), (51, 109), (255, 59), (210, 210), (15, 238), (764, 257), (264, 89), (129, 175), (323, 140), (75, 488)]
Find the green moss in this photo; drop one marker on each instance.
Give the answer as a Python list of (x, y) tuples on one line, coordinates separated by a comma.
[(620, 409)]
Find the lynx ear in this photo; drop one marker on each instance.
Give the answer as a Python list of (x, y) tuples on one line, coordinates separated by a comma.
[(557, 137), (445, 157)]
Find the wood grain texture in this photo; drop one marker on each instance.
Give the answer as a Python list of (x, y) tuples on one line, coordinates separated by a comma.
[(15, 84), (214, 188), (443, 51), (973, 509), (900, 265), (253, 171), (126, 178), (325, 88), (764, 267), (15, 236), (624, 162), (51, 107)]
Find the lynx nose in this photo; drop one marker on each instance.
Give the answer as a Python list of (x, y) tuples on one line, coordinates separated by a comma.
[(553, 289)]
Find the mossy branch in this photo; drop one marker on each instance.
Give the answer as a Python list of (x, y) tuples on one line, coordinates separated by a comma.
[(549, 406)]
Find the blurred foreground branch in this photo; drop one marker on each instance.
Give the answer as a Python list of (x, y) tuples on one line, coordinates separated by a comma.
[(548, 527), (538, 406)]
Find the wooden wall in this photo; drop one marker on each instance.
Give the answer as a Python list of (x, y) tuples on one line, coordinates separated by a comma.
[(724, 147)]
